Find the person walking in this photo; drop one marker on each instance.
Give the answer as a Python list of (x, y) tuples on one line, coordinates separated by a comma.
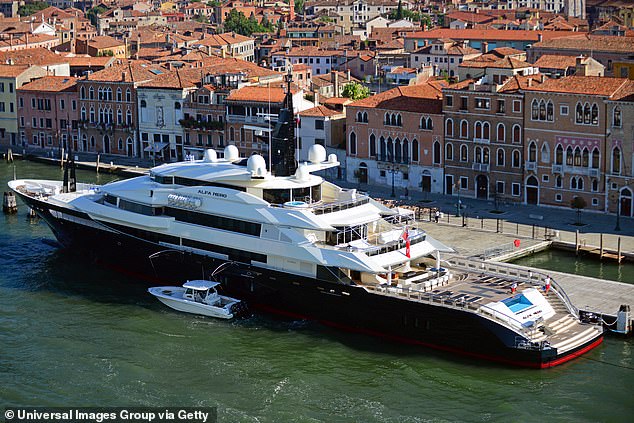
[(547, 285), (513, 287), (437, 215)]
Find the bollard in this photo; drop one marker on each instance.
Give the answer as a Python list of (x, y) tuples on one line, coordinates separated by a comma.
[(9, 203)]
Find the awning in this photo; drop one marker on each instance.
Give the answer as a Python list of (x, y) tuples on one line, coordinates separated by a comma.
[(156, 147)]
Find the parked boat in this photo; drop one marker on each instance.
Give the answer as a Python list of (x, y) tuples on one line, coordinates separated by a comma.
[(197, 297), (306, 248)]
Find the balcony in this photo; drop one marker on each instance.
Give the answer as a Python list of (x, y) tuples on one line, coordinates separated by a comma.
[(482, 140), (480, 167), (558, 168), (531, 166)]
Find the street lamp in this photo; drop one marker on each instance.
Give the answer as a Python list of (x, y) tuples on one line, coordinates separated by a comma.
[(458, 203), (618, 211)]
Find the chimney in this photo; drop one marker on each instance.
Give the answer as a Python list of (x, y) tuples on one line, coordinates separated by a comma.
[(485, 47), (291, 12), (540, 37), (123, 75), (348, 73), (543, 78), (316, 98), (529, 82), (336, 83)]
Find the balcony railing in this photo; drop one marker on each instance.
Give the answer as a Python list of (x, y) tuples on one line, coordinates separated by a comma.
[(480, 167), (558, 168), (531, 166)]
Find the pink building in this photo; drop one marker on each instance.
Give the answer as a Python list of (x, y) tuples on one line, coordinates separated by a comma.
[(47, 112)]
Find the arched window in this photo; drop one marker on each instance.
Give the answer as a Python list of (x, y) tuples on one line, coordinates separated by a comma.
[(372, 143), (83, 113), (485, 155), (558, 181), (390, 150), (517, 158), (430, 124), (580, 183), (386, 118), (128, 117), (500, 157), (464, 129), (128, 95), (92, 142), (595, 114), (579, 113), (532, 152), (550, 111), (365, 117), (405, 151), (478, 130), (393, 120), (177, 105), (92, 114), (397, 150), (383, 149), (232, 134), (478, 154), (616, 160), (448, 151), (143, 104), (486, 131), (119, 117), (415, 154), (82, 93), (436, 152), (243, 135), (545, 153), (501, 133), (569, 156), (517, 134), (585, 157), (595, 185), (91, 93), (586, 114), (353, 143), (119, 95), (577, 157), (109, 94), (449, 128), (464, 153), (359, 117), (535, 110), (573, 183), (84, 142), (423, 123), (100, 93), (120, 144), (542, 110), (616, 117), (559, 155), (399, 120), (595, 158)]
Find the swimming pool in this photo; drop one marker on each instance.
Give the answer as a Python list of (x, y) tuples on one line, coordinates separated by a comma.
[(517, 303)]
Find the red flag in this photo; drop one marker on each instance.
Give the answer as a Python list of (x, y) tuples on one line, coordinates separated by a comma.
[(406, 238)]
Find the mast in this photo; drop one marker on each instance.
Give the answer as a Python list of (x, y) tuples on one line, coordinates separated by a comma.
[(283, 137)]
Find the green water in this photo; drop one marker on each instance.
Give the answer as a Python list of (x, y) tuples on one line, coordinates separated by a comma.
[(75, 334), (566, 261)]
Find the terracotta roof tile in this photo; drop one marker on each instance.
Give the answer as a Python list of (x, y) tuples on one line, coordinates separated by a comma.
[(11, 71), (555, 61), (33, 56), (104, 41), (320, 111), (51, 84), (491, 34), (408, 98), (591, 85), (258, 94), (590, 42)]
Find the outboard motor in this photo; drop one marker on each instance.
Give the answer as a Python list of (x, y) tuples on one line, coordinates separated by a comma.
[(624, 320)]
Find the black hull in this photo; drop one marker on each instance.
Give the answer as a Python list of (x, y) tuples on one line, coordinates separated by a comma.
[(332, 302)]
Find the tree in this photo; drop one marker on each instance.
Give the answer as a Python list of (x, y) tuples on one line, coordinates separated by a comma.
[(31, 8), (399, 10), (201, 19), (237, 22), (93, 14), (355, 91), (299, 6), (579, 204)]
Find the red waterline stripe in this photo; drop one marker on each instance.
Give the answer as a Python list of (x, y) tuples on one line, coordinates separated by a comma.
[(575, 354)]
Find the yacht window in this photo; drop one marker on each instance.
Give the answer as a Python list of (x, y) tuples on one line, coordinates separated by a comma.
[(110, 199), (137, 207), (301, 194), (213, 221), (315, 193), (277, 196), (164, 180)]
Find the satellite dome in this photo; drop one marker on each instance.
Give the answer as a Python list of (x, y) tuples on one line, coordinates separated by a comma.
[(316, 154), (210, 156), (302, 173), (332, 158), (231, 153), (256, 165)]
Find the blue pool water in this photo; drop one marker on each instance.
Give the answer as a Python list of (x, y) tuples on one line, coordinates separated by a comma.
[(517, 303)]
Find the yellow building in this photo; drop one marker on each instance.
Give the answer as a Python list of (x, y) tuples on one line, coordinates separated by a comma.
[(169, 6), (13, 77), (624, 69)]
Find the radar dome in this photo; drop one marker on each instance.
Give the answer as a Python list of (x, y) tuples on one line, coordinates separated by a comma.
[(316, 154), (256, 165), (231, 153), (210, 156), (332, 158), (302, 173)]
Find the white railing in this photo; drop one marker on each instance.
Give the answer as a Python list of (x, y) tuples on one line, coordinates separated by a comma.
[(531, 166), (558, 169), (480, 167)]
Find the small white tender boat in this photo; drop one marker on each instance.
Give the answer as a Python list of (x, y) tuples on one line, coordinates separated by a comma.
[(197, 297)]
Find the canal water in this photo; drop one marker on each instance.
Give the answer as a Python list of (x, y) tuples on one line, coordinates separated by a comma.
[(75, 334), (554, 259)]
